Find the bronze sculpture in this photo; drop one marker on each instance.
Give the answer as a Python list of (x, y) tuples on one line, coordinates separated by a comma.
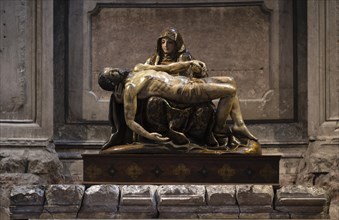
[(195, 120), (170, 48), (179, 89)]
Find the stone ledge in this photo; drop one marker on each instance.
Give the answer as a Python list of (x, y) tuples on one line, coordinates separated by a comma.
[(167, 201)]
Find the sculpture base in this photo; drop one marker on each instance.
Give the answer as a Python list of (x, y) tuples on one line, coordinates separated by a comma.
[(180, 168)]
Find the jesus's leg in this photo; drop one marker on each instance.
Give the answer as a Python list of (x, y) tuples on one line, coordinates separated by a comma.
[(223, 110), (239, 126), (235, 112)]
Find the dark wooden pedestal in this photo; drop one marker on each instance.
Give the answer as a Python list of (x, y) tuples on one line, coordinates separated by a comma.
[(180, 168)]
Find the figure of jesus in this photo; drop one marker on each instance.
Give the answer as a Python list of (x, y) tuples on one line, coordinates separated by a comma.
[(163, 81)]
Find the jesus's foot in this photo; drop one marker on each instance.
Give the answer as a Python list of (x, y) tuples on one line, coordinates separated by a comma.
[(243, 130)]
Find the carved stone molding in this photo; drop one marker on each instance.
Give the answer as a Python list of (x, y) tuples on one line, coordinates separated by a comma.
[(17, 45), (26, 72), (323, 85)]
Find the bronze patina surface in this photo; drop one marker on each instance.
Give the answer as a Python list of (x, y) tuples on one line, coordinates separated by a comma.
[(168, 101)]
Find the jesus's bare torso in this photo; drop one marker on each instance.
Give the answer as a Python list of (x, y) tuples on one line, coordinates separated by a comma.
[(155, 83)]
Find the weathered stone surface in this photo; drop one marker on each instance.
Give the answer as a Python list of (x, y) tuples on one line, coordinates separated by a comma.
[(308, 216), (10, 179), (199, 209), (26, 209), (320, 164), (101, 198), (301, 209), (61, 208), (23, 166), (47, 215), (254, 215), (334, 207), (4, 197), (4, 213), (255, 208), (298, 195), (97, 215), (45, 163), (279, 215), (25, 215), (31, 195), (72, 170), (4, 203), (64, 194), (135, 208), (220, 195), (143, 195), (287, 179), (136, 215), (217, 216), (178, 215), (288, 169), (254, 194), (12, 162), (181, 195)]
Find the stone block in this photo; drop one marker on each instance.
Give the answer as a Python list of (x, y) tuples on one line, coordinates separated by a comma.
[(45, 163), (26, 209), (42, 164), (174, 215), (199, 209), (220, 195), (254, 195), (300, 209), (306, 215), (64, 194), (4, 213), (168, 195), (27, 195), (4, 197), (334, 207), (298, 195), (289, 165), (47, 215), (25, 215), (279, 215), (218, 215), (101, 198), (61, 208), (287, 179), (255, 208), (138, 195), (98, 215), (254, 215), (10, 179), (132, 208), (72, 170), (136, 215), (12, 162)]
